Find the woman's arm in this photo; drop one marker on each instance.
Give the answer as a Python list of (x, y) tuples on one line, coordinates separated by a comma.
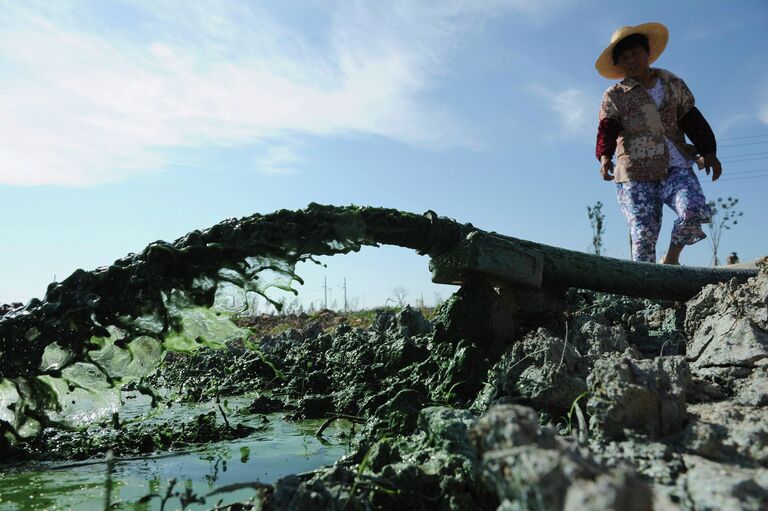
[(607, 133), (699, 131)]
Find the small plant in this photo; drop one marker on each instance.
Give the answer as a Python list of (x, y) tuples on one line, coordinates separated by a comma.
[(450, 395), (358, 475), (368, 484), (597, 220), (108, 482), (399, 296), (185, 497), (724, 216), (278, 373), (576, 409)]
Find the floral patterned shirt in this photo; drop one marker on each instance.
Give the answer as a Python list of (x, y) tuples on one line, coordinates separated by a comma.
[(675, 158), (642, 153)]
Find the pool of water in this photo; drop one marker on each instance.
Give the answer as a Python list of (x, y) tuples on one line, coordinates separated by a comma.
[(278, 449)]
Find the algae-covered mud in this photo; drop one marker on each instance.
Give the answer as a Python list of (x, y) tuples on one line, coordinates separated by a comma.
[(63, 358), (135, 387)]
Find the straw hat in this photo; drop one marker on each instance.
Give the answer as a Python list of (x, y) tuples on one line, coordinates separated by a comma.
[(657, 35)]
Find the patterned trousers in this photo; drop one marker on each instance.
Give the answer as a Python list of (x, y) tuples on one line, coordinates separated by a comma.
[(642, 202)]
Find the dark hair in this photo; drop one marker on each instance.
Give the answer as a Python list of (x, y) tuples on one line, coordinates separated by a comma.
[(628, 43)]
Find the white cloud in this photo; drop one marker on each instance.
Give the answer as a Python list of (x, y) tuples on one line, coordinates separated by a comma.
[(762, 110), (574, 109), (724, 127), (86, 100), (278, 160)]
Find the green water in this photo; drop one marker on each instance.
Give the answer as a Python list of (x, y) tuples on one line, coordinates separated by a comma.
[(278, 449)]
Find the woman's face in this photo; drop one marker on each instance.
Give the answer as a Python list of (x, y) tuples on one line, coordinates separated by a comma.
[(633, 62)]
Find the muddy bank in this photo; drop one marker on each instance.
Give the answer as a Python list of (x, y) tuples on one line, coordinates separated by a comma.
[(612, 404), (606, 403)]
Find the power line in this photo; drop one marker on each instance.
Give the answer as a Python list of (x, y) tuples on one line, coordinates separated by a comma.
[(730, 177), (745, 154), (742, 160), (754, 171), (743, 138), (744, 178), (745, 160), (745, 143)]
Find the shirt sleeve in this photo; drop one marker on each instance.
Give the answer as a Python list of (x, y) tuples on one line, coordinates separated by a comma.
[(685, 98), (608, 109), (609, 127), (607, 134), (699, 131)]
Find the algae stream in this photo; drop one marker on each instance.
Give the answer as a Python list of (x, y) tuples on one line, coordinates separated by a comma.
[(64, 359), (281, 449), (61, 358)]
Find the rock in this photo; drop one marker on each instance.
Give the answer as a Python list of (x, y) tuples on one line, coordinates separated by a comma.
[(281, 341), (312, 330), (461, 377), (406, 323), (657, 329), (754, 391), (381, 454), (748, 301), (534, 477), (477, 312), (400, 353), (719, 487), (640, 396), (705, 391), (594, 339), (291, 494), (656, 460), (728, 432), (727, 340), (313, 406), (447, 429), (507, 426), (530, 468), (540, 371), (620, 490), (265, 404), (400, 413)]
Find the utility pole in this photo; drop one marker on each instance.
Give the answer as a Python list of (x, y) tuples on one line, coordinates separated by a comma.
[(325, 292), (345, 294)]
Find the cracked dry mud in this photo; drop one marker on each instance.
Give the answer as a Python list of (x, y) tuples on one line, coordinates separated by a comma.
[(610, 403), (463, 414)]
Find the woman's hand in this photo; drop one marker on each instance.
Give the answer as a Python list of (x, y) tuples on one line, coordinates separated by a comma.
[(606, 168), (710, 162)]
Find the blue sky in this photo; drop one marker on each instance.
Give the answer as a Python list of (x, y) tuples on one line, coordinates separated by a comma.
[(126, 122)]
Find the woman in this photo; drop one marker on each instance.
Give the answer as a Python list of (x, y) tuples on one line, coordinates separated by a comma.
[(646, 116)]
